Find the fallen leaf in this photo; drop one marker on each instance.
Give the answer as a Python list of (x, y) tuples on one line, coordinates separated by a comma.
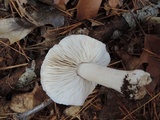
[(1, 59), (23, 2), (130, 62), (150, 58), (8, 83), (40, 14), (54, 16), (73, 111), (140, 3), (58, 1), (17, 80), (23, 102), (4, 108), (87, 9), (106, 31), (115, 3), (61, 3), (11, 30)]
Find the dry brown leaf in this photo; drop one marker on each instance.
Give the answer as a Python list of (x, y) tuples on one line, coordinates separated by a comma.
[(23, 102), (61, 3), (73, 111), (115, 3), (130, 62), (11, 30), (140, 3), (23, 2), (54, 17), (87, 9), (151, 57), (1, 59), (8, 83), (38, 13)]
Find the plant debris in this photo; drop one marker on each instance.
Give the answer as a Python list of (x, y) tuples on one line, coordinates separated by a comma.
[(29, 28), (11, 30), (150, 59), (87, 9)]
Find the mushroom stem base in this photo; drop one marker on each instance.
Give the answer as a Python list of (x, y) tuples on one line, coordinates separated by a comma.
[(130, 83)]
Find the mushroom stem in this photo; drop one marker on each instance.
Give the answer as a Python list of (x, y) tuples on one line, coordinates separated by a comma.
[(105, 76), (130, 83)]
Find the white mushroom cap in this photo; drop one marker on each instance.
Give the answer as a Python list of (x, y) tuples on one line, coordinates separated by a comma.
[(59, 69)]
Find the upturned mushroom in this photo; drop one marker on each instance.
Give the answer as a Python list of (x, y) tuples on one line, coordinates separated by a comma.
[(72, 69)]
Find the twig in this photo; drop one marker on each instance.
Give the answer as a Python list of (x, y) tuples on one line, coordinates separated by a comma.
[(124, 109), (25, 115), (135, 19), (153, 20), (20, 47), (141, 106), (14, 49), (111, 64), (152, 53), (14, 66)]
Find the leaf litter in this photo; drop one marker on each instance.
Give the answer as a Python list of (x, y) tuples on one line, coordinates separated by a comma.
[(87, 9), (11, 30), (150, 59), (35, 26)]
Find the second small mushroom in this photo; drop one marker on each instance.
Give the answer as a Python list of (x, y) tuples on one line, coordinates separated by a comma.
[(72, 69)]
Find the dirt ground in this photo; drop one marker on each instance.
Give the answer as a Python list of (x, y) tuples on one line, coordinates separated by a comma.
[(25, 41)]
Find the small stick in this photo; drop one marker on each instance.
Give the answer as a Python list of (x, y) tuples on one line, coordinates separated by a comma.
[(25, 115), (135, 19), (14, 66), (157, 95), (153, 20)]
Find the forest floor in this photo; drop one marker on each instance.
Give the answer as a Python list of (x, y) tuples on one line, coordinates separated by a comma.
[(28, 29)]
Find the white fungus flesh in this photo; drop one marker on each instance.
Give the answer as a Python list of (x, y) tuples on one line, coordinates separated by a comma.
[(129, 83), (59, 69), (72, 69)]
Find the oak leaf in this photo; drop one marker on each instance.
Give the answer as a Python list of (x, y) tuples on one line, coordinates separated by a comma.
[(87, 9), (150, 59)]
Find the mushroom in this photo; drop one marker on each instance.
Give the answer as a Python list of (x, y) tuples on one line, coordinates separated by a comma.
[(72, 69)]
